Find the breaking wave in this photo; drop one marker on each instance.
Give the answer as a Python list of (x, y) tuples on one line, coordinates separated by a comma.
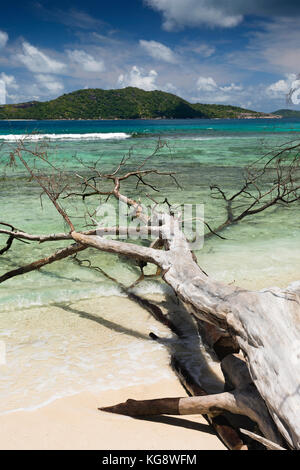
[(87, 136)]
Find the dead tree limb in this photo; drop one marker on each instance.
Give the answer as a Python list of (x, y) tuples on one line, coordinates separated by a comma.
[(57, 256), (268, 444), (253, 197)]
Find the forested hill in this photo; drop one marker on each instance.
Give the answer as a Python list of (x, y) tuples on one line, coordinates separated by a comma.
[(125, 103), (288, 113)]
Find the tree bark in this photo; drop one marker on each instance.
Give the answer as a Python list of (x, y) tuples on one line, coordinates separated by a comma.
[(265, 324)]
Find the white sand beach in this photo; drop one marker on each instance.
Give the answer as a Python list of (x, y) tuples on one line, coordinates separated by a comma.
[(75, 423)]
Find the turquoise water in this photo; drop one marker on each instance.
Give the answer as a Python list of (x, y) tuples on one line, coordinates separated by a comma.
[(173, 127), (262, 250)]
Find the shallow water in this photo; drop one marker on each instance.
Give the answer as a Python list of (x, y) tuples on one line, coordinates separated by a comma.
[(67, 328)]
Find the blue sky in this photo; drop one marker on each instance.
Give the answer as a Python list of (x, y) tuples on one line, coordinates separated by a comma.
[(238, 52)]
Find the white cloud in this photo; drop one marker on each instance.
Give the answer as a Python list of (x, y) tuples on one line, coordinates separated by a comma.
[(278, 89), (192, 13), (36, 61), (86, 61), (273, 47), (169, 87), (9, 81), (158, 51), (206, 84), (49, 83), (70, 17), (137, 78), (6, 82), (178, 13), (279, 44), (3, 38), (203, 49), (288, 89), (2, 91), (214, 93), (231, 87)]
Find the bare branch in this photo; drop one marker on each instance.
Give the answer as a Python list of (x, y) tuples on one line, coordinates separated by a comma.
[(266, 442), (282, 169), (8, 244), (127, 249), (58, 255), (46, 184)]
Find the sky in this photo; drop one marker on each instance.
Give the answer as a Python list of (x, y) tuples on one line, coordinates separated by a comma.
[(239, 52)]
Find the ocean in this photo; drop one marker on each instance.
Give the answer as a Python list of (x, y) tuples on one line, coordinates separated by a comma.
[(67, 328)]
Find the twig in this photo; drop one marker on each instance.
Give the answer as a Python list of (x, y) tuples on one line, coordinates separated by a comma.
[(266, 442)]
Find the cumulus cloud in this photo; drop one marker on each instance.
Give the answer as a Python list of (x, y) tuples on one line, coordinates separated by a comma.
[(3, 38), (36, 61), (293, 96), (191, 13), (280, 88), (288, 88), (213, 92), (158, 51), (169, 87), (2, 91), (206, 84), (138, 78), (86, 61), (49, 83), (6, 82), (231, 87), (9, 80)]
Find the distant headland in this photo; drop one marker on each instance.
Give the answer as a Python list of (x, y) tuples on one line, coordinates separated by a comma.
[(125, 103)]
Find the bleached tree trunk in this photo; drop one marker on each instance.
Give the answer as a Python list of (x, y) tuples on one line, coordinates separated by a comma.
[(266, 325)]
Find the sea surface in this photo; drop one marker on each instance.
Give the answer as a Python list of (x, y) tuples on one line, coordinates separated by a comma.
[(68, 328)]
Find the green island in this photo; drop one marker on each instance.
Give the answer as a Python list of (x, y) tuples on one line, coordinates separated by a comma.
[(288, 113), (125, 103)]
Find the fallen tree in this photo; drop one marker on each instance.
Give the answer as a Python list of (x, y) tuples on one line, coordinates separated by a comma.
[(255, 334)]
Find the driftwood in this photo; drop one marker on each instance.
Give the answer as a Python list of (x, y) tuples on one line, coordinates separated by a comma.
[(265, 324), (227, 431), (262, 384), (220, 422)]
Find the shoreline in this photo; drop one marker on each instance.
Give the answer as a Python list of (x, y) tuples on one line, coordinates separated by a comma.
[(150, 119), (75, 423)]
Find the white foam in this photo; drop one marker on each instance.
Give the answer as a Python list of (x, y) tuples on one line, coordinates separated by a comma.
[(21, 302), (87, 136), (50, 400), (220, 137), (152, 287), (56, 370)]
